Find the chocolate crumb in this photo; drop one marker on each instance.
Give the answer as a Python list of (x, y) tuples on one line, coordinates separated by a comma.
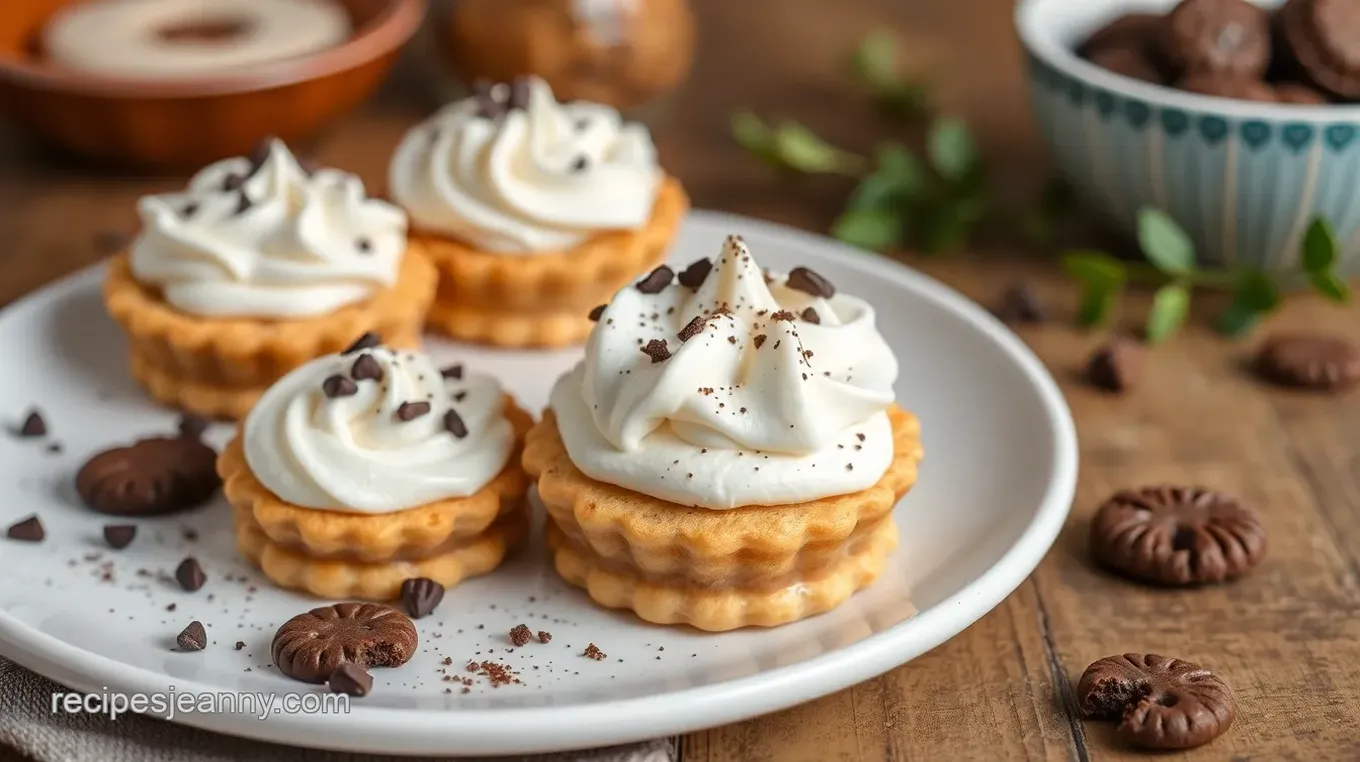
[(193, 637), (694, 276), (190, 575), (366, 368), (593, 652), (350, 679), (656, 349), (453, 423), (782, 315), (454, 372), (760, 340), (859, 436), (809, 282), (363, 245), (33, 425), (119, 536), (520, 634), (656, 281), (544, 636), (172, 607), (409, 411), (240, 644), (731, 339), (28, 530), (692, 328), (811, 316), (596, 313)]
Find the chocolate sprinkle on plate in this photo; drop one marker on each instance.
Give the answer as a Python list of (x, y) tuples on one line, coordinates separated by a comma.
[(453, 423), (454, 372), (421, 596), (363, 245), (520, 634), (1159, 702), (782, 315), (580, 164), (338, 386), (366, 368), (694, 276), (119, 536), (28, 530), (240, 645), (350, 679), (190, 575), (544, 636), (656, 349), (656, 280), (811, 316), (193, 638), (597, 313), (368, 341), (409, 411), (33, 425), (692, 328), (809, 282), (760, 340)]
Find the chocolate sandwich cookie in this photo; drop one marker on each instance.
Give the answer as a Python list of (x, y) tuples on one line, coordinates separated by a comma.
[(1323, 37), (1128, 46), (1218, 36), (1228, 86), (1130, 61)]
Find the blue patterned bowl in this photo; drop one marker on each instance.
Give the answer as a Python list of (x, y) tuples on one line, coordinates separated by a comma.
[(1244, 179)]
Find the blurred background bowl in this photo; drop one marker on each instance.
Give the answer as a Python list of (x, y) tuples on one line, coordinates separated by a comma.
[(1243, 178), (186, 123)]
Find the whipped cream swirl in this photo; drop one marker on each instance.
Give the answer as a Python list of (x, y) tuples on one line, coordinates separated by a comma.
[(726, 389), (511, 170), (377, 430), (263, 238)]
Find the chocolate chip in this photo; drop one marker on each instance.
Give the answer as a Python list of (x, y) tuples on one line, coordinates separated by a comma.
[(454, 372), (33, 425), (596, 313), (366, 368), (233, 181), (193, 638), (809, 282), (1159, 702), (149, 477), (656, 280), (760, 340), (453, 423), (1177, 535), (580, 164), (1307, 360), (810, 315), (409, 411), (782, 315), (240, 644), (519, 93), (190, 575), (1115, 367), (363, 245), (1020, 305), (656, 349), (119, 536), (243, 202), (697, 272), (520, 634), (351, 679), (421, 596), (310, 646), (692, 328), (368, 341), (28, 530), (192, 426), (189, 210), (460, 396), (339, 386)]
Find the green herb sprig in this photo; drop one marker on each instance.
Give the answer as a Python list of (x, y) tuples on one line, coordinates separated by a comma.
[(1171, 266), (874, 64)]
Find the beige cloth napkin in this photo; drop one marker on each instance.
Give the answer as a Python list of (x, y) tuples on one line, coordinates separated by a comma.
[(27, 725)]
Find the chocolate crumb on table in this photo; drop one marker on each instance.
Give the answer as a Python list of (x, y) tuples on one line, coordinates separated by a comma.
[(33, 426), (593, 652), (520, 634), (544, 636), (193, 638), (27, 530)]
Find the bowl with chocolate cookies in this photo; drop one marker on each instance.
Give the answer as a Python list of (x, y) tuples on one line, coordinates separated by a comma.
[(1240, 119)]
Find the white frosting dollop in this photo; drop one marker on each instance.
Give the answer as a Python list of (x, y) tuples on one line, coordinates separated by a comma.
[(761, 406), (268, 240), (514, 171), (345, 444)]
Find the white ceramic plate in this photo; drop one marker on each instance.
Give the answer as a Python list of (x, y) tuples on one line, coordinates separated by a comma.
[(994, 490)]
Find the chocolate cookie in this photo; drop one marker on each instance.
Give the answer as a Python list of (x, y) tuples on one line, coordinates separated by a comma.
[(1160, 703), (1130, 30), (1309, 361), (1130, 61), (311, 646), (1218, 36), (1323, 38), (1228, 86), (149, 477), (1177, 535), (1303, 95)]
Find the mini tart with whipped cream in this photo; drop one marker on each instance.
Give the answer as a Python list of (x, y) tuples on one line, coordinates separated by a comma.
[(360, 470), (729, 452), (257, 267), (534, 211)]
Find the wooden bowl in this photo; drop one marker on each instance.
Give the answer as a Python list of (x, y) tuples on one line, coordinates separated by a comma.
[(187, 123)]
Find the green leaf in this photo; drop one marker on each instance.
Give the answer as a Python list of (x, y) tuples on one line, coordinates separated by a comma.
[(750, 132), (1170, 305), (1098, 299), (951, 149), (1095, 267), (1331, 286), (897, 160), (898, 178), (948, 226), (799, 148), (1319, 247), (907, 99), (874, 62), (1164, 243), (873, 229), (1237, 321)]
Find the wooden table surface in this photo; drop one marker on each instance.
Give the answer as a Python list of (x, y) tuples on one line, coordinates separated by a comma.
[(1283, 637)]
